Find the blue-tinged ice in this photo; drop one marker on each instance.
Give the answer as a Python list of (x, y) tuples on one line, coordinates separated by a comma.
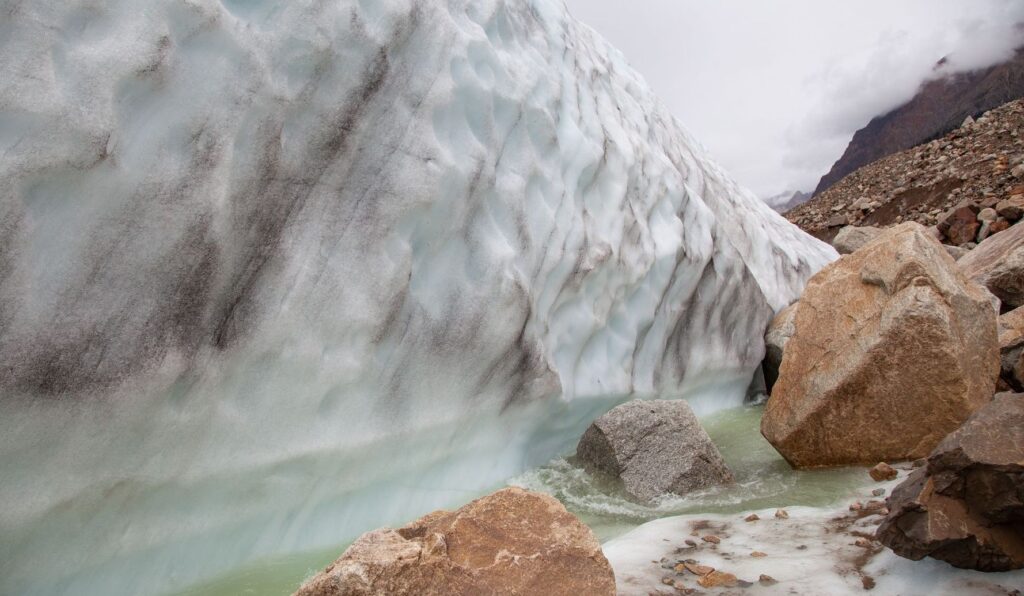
[(274, 273)]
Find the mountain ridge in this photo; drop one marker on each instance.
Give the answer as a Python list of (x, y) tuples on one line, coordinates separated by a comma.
[(939, 107)]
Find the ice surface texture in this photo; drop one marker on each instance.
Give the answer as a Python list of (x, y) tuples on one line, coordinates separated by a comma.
[(272, 273)]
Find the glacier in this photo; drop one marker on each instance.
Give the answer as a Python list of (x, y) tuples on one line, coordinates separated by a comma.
[(274, 273)]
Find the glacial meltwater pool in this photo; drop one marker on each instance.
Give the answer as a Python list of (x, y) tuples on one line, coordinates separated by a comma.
[(763, 480)]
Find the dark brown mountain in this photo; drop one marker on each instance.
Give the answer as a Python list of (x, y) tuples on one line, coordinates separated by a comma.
[(939, 107)]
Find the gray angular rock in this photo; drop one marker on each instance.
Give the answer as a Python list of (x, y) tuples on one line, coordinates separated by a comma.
[(779, 332), (967, 505), (1011, 348), (955, 251), (851, 238), (998, 264), (655, 447)]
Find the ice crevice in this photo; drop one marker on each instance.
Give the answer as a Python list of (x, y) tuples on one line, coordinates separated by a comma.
[(272, 273)]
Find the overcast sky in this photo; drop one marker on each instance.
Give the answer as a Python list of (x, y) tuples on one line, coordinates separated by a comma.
[(776, 88)]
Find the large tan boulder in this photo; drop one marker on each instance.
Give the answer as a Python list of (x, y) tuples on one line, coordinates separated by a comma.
[(893, 349), (998, 264), (511, 542)]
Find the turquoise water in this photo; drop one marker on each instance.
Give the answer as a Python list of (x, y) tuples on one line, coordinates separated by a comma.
[(763, 480)]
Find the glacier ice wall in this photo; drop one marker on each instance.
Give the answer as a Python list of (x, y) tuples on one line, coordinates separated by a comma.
[(272, 273)]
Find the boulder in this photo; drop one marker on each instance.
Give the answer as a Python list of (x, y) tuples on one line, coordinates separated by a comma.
[(1011, 348), (851, 238), (964, 213), (961, 226), (966, 506), (998, 264), (1000, 225), (1011, 208), (837, 220), (779, 332), (955, 251), (655, 447), (893, 349), (511, 542)]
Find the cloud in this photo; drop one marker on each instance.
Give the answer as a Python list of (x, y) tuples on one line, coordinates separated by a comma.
[(776, 89)]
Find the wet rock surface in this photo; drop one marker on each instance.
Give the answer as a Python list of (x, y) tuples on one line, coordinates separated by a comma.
[(966, 507), (511, 542), (655, 447), (893, 349)]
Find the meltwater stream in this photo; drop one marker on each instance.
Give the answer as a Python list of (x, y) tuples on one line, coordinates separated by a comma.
[(763, 480)]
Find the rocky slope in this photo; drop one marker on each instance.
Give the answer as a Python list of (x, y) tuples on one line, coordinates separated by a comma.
[(980, 162), (939, 106)]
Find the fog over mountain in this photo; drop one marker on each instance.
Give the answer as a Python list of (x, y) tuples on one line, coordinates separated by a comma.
[(777, 98)]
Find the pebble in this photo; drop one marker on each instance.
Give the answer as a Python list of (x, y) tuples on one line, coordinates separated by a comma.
[(878, 492), (767, 580), (751, 518), (874, 505), (782, 514), (718, 579), (698, 569), (882, 472), (758, 554), (712, 539)]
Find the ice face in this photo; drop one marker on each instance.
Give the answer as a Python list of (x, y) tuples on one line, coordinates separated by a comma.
[(274, 273)]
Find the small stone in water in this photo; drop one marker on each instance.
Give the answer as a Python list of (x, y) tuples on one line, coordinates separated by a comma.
[(758, 554), (863, 543), (856, 506), (751, 518), (767, 580), (782, 514), (878, 492), (691, 543), (712, 539), (698, 569), (882, 472), (668, 581), (868, 582), (717, 579)]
